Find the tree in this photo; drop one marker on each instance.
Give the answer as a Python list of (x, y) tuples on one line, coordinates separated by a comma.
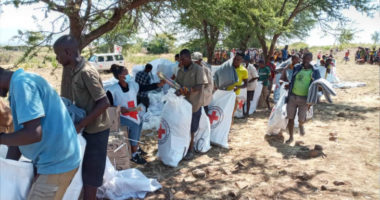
[(161, 43), (86, 21), (345, 36), (285, 18), (120, 35), (375, 37), (205, 19)]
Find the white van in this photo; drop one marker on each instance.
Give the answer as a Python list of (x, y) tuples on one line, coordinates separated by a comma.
[(104, 61)]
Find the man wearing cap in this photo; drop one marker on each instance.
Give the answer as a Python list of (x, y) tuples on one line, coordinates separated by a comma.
[(192, 79), (242, 74), (197, 58), (252, 81)]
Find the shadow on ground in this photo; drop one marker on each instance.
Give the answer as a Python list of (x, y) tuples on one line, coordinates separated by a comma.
[(299, 150)]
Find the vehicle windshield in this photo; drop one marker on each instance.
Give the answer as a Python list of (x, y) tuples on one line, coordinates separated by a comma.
[(92, 58), (119, 57)]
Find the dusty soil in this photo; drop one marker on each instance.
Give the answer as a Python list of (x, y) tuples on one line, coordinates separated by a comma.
[(256, 167)]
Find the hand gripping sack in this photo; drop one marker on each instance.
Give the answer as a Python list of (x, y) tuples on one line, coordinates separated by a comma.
[(278, 117), (202, 136), (220, 115), (241, 98), (174, 130)]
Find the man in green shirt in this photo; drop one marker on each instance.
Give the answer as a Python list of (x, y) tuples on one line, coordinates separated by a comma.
[(264, 74), (303, 75)]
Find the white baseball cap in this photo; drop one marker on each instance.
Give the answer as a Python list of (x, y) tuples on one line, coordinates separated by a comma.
[(197, 56)]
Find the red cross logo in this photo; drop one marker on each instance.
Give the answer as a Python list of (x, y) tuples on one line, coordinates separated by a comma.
[(213, 117), (241, 104), (161, 131), (131, 104)]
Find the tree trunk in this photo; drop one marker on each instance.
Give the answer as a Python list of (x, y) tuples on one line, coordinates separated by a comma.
[(263, 44), (244, 43)]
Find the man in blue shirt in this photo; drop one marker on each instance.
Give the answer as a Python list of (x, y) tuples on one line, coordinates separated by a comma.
[(44, 132)]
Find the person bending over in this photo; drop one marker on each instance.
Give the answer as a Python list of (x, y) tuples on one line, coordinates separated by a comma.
[(44, 133)]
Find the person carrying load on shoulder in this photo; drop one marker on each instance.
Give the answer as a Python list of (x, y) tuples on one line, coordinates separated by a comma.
[(192, 79), (242, 74), (44, 132), (303, 75)]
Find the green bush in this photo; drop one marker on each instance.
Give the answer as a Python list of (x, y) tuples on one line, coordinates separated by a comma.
[(161, 43)]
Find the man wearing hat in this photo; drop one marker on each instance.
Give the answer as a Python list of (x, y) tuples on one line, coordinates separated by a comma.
[(197, 58)]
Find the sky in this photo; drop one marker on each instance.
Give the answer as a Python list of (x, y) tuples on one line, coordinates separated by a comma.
[(23, 18)]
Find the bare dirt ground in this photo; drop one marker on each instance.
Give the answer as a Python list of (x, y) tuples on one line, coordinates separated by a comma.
[(259, 168), (254, 168)]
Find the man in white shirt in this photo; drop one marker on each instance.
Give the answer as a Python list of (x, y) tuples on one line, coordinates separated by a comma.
[(252, 82)]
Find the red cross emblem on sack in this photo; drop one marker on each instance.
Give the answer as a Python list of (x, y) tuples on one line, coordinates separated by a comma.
[(213, 117), (241, 104), (161, 131), (133, 114)]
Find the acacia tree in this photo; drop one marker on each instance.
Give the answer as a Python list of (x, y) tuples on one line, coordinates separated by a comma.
[(375, 37), (86, 21), (206, 18), (286, 18)]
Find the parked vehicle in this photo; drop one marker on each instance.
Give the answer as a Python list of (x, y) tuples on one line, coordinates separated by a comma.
[(103, 62)]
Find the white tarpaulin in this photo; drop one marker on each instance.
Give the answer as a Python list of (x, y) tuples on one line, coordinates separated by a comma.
[(125, 184), (220, 115), (174, 130)]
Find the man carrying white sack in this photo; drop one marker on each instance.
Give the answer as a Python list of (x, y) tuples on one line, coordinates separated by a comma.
[(44, 132), (303, 75), (192, 79), (197, 57)]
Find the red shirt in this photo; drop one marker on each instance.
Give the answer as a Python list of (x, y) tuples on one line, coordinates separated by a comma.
[(347, 54)]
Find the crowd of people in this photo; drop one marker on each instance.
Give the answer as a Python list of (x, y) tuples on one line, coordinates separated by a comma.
[(367, 55), (45, 134)]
